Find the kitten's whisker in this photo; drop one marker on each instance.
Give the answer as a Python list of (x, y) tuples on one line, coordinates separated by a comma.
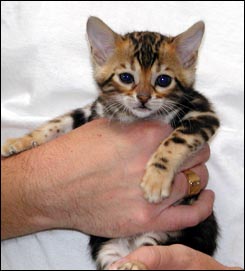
[(168, 108), (115, 107), (180, 110), (179, 104)]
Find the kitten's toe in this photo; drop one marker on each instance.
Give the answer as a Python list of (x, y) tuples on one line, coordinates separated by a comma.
[(165, 192), (156, 184), (151, 186), (132, 266), (17, 145), (10, 147), (152, 191)]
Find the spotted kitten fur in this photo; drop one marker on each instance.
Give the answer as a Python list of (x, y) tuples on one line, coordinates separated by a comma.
[(144, 75)]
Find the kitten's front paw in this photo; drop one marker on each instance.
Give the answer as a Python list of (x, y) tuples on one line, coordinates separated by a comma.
[(16, 145), (132, 266), (156, 183)]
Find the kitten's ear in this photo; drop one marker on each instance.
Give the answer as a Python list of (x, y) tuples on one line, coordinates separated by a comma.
[(101, 38), (187, 44)]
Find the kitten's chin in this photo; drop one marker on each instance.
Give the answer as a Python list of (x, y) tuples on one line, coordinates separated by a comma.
[(142, 112)]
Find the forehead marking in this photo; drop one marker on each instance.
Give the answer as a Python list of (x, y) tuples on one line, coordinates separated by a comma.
[(146, 47)]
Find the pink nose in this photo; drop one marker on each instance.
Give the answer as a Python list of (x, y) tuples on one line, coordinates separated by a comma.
[(143, 98)]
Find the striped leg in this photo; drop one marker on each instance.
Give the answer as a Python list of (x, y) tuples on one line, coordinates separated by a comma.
[(195, 130), (46, 132)]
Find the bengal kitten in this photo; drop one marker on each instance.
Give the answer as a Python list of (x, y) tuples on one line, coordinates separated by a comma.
[(144, 75)]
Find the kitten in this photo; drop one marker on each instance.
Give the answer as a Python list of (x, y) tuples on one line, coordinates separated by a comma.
[(144, 75)]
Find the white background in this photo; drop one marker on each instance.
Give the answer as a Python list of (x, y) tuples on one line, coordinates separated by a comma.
[(46, 71)]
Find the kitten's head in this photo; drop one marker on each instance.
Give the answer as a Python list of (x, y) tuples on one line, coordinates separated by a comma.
[(142, 71)]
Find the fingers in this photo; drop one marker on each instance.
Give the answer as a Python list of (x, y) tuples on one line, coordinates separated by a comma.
[(201, 171), (181, 185), (150, 256), (173, 257), (183, 216), (200, 157)]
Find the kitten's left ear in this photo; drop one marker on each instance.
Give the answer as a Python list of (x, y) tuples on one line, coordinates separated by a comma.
[(101, 38), (187, 44)]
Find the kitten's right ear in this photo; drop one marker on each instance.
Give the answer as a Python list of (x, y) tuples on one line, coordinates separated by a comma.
[(101, 38)]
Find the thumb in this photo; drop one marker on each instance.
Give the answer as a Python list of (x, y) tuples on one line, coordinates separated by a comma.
[(153, 257)]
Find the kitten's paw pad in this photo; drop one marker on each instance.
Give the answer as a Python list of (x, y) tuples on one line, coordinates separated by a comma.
[(16, 145), (132, 266), (156, 184)]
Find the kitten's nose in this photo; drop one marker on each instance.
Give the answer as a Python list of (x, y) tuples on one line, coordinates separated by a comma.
[(143, 98)]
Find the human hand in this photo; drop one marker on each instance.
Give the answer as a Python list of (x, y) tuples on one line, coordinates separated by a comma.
[(102, 194), (89, 180), (174, 257)]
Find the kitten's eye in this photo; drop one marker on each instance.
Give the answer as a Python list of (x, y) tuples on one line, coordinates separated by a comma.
[(126, 78), (163, 80)]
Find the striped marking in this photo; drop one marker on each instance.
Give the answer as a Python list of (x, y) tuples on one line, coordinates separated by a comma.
[(158, 165)]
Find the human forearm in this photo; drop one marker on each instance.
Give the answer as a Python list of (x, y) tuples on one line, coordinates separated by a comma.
[(19, 215), (35, 183)]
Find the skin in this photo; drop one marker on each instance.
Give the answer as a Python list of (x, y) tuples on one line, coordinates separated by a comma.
[(174, 257), (88, 180)]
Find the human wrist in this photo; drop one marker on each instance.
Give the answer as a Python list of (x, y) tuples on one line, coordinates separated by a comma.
[(35, 184), (45, 192), (18, 214)]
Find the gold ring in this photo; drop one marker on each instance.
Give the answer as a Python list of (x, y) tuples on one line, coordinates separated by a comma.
[(194, 182)]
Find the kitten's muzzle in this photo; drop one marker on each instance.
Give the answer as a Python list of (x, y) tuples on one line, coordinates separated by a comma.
[(143, 98)]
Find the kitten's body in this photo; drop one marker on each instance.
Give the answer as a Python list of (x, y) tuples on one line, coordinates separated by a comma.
[(144, 75)]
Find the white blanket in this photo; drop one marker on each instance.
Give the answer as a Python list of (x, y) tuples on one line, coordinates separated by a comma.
[(46, 71)]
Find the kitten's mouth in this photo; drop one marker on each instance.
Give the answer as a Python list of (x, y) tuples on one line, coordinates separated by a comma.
[(142, 108)]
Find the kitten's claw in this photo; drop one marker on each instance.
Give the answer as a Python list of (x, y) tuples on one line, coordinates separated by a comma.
[(132, 266), (34, 144)]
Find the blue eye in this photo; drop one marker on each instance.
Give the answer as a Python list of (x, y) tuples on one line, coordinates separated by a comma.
[(163, 80), (126, 78)]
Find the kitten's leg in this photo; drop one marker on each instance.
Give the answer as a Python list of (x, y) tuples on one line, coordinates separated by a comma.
[(146, 239), (46, 132), (194, 131), (115, 249), (111, 252)]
